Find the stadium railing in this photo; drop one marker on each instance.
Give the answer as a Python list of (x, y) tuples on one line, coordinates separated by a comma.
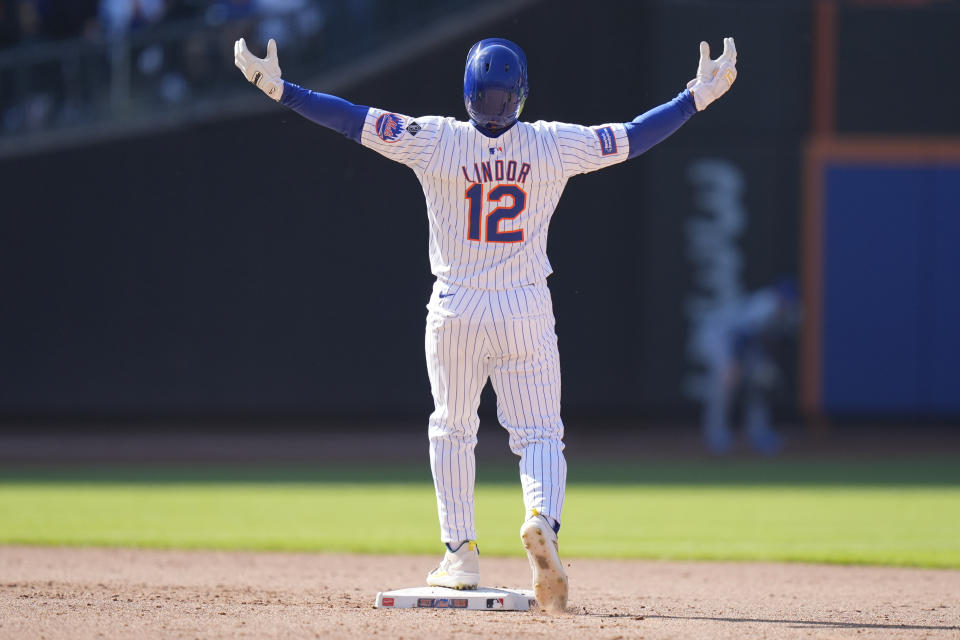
[(80, 89)]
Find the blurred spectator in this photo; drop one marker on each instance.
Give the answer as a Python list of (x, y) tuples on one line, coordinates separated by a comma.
[(307, 20), (118, 17), (63, 19), (224, 10), (29, 27), (23, 21), (737, 341), (9, 23), (184, 9), (117, 63)]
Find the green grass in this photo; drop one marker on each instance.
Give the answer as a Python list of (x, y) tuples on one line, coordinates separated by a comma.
[(894, 513)]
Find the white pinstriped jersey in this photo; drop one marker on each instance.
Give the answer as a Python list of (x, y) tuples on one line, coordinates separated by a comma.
[(490, 200)]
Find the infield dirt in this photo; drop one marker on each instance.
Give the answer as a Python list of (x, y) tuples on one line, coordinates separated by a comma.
[(54, 593)]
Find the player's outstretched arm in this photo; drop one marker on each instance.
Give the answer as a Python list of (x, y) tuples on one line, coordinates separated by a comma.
[(658, 123), (330, 111), (714, 78)]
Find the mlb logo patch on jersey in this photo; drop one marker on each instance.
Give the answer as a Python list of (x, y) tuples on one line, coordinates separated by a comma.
[(390, 127), (608, 142)]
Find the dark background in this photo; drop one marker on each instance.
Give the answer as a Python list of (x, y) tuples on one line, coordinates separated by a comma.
[(266, 267)]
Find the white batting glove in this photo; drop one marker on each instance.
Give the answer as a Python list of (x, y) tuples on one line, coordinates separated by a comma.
[(264, 73), (714, 77)]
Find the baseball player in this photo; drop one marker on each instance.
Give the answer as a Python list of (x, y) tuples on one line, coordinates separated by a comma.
[(735, 342), (491, 186)]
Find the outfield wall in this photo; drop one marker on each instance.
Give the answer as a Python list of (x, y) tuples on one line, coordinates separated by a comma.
[(882, 292)]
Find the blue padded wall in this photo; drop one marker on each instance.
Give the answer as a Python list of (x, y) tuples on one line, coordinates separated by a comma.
[(891, 307)]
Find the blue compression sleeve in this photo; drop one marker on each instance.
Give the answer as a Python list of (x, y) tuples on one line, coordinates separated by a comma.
[(653, 126), (330, 111)]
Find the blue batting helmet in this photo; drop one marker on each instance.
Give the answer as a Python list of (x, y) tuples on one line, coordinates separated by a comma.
[(495, 83)]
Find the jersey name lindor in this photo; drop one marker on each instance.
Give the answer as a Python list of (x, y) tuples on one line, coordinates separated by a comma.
[(497, 171)]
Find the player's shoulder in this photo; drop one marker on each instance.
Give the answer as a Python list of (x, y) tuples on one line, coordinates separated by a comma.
[(605, 138), (539, 125), (541, 129), (553, 128), (431, 121), (430, 125), (392, 126)]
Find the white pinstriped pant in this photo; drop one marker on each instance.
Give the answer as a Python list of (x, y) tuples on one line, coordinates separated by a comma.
[(508, 337)]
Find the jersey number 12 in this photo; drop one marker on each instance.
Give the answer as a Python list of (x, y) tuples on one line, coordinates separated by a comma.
[(475, 196)]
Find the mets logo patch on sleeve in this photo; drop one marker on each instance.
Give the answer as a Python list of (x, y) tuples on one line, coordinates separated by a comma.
[(390, 127), (608, 141)]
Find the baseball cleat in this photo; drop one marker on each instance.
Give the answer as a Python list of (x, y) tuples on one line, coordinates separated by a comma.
[(460, 568), (549, 578)]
